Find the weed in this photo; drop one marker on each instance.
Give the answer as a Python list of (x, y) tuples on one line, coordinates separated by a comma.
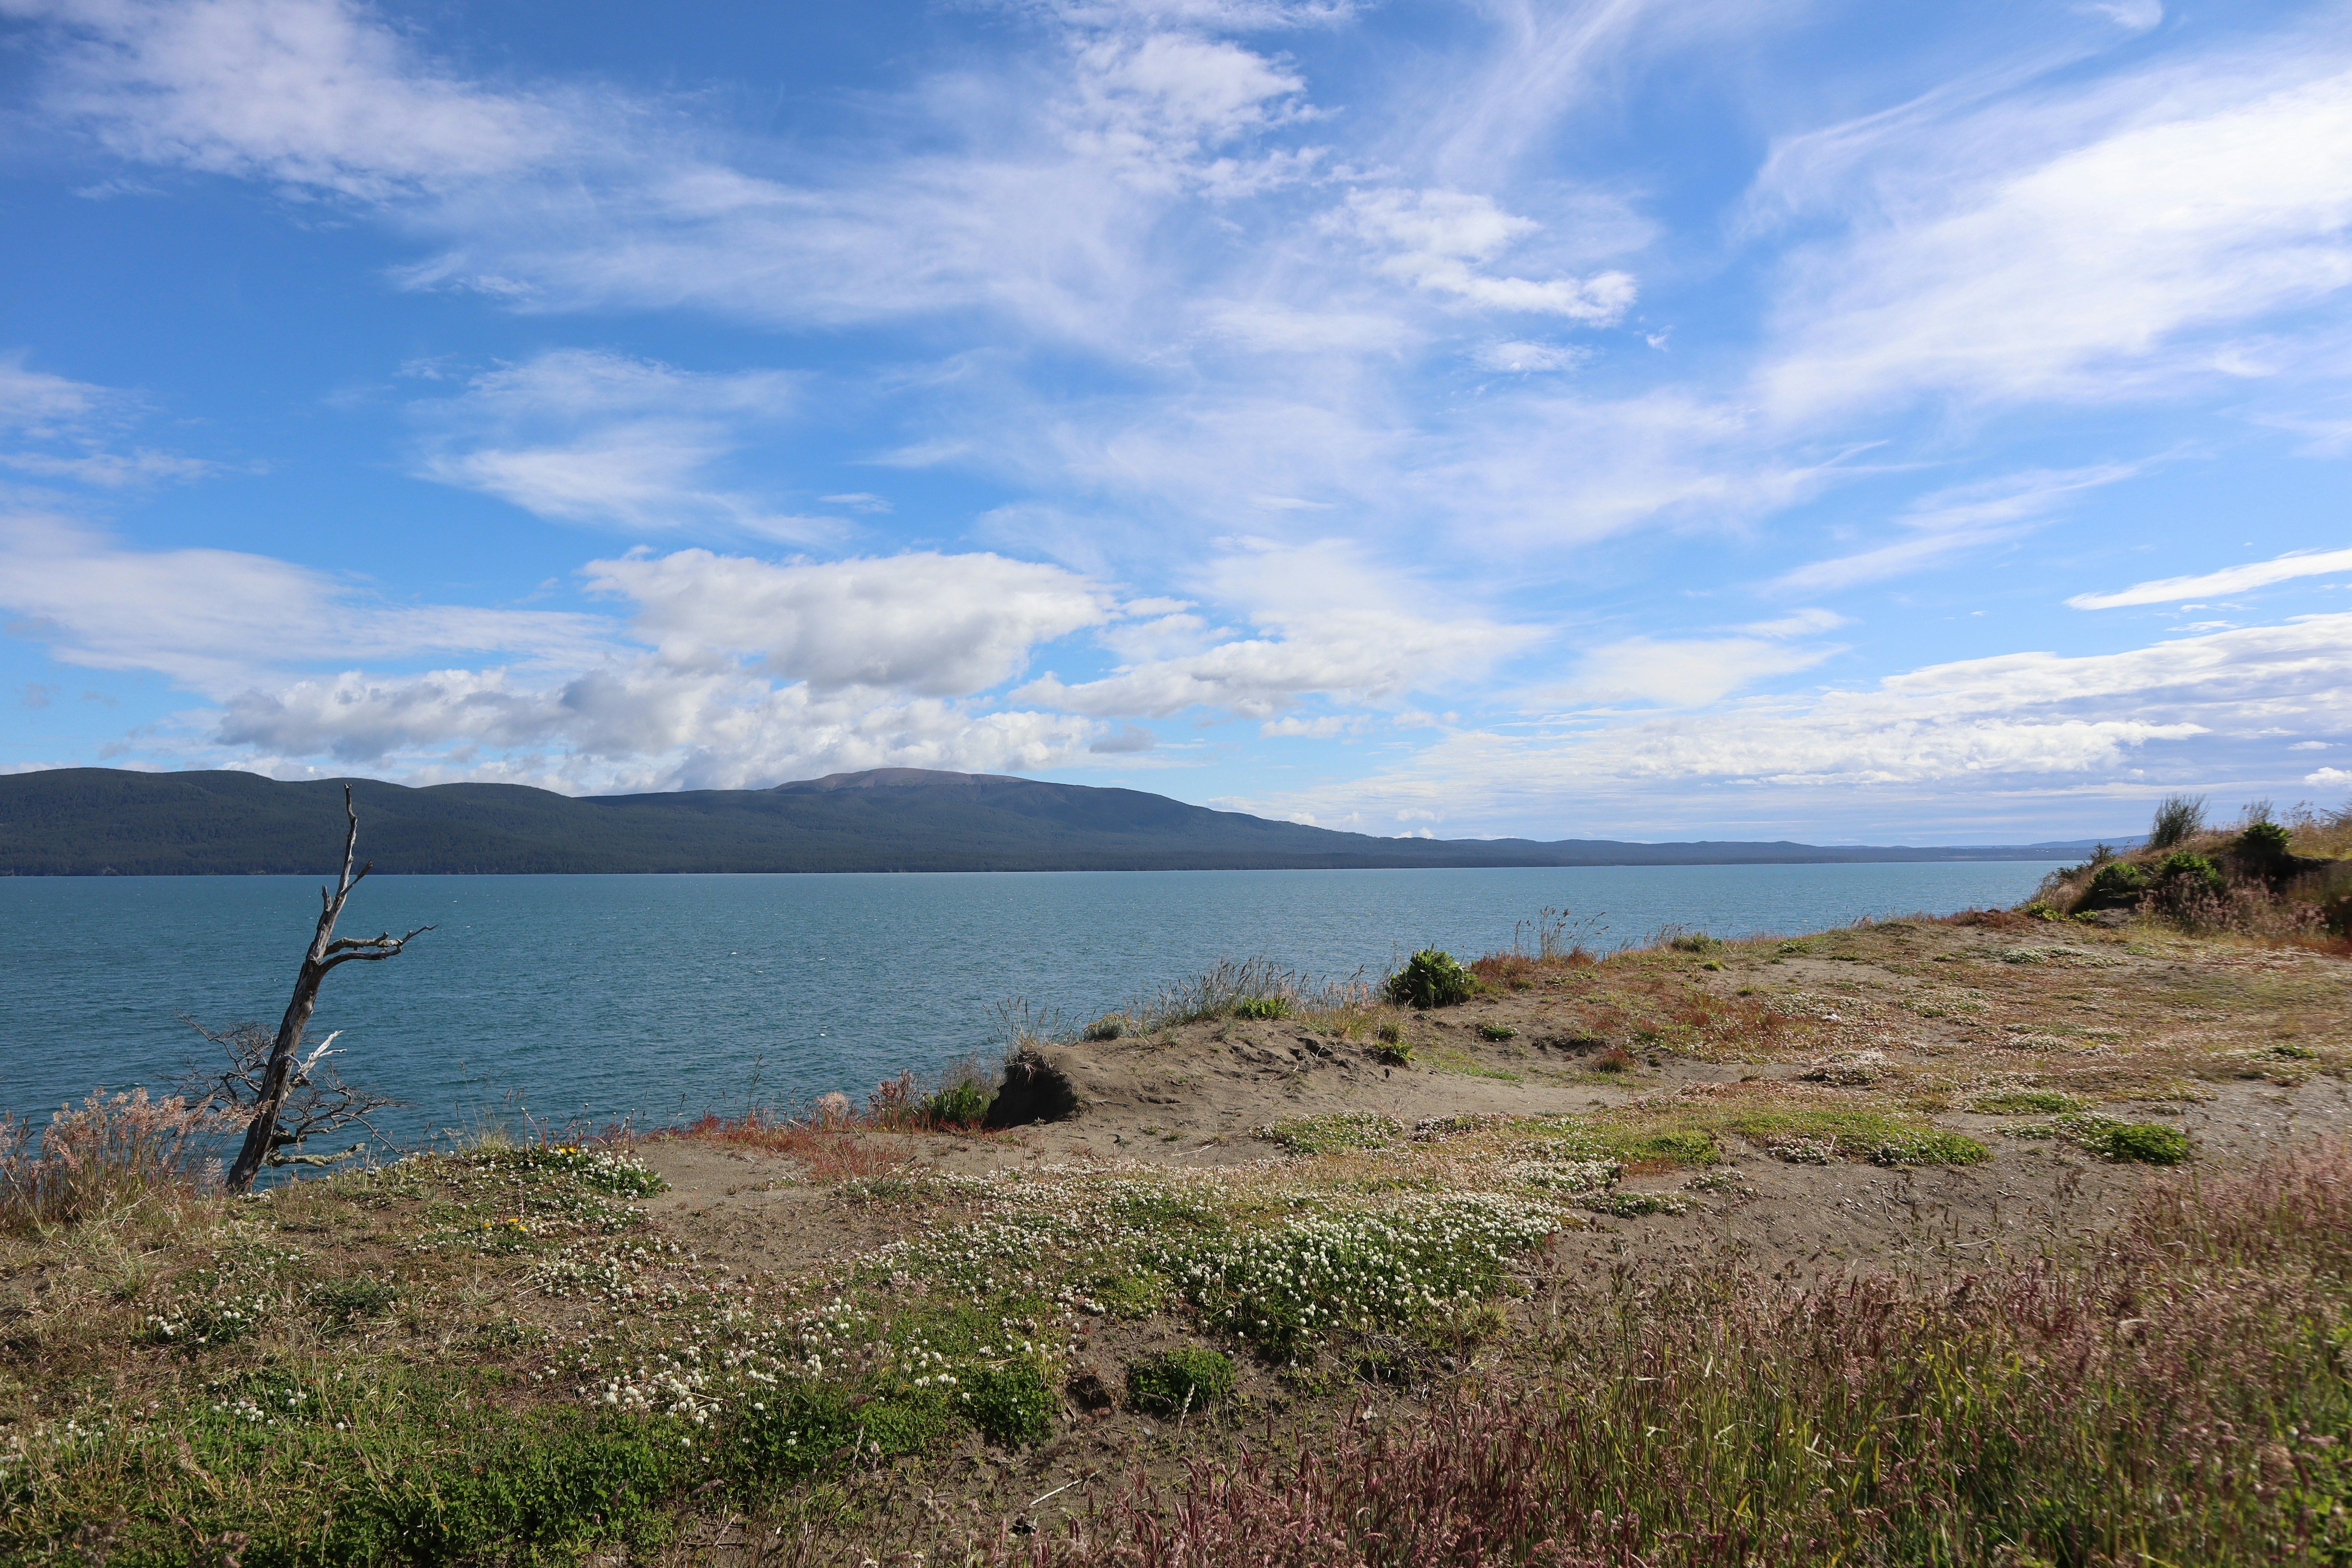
[(1262, 1007), (963, 1104), (1187, 1380), (1694, 942), (1497, 1032), (1109, 1026), (1615, 1059)]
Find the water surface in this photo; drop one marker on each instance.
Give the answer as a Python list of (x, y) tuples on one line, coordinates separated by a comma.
[(598, 998)]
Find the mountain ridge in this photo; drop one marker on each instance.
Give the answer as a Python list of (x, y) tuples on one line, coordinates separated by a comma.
[(108, 821)]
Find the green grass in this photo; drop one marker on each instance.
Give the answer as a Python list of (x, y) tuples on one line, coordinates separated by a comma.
[(2025, 1102), (1191, 1380)]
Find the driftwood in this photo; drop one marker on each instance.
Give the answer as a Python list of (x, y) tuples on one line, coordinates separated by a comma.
[(327, 951)]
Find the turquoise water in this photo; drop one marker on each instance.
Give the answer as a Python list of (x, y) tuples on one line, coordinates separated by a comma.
[(600, 998)]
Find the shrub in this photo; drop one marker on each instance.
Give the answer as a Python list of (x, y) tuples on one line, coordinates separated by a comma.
[(2262, 850), (1262, 1007), (2178, 817), (1177, 1382), (2187, 881), (1430, 979), (2117, 885), (1109, 1026), (960, 1104)]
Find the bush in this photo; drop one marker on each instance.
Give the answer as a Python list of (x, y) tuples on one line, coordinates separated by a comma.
[(2117, 885), (2262, 850), (963, 1104), (1430, 979), (2178, 817), (1179, 1381), (2187, 878), (1262, 1007)]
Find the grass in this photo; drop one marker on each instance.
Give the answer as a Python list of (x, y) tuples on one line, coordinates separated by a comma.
[(495, 1354), (2177, 1396)]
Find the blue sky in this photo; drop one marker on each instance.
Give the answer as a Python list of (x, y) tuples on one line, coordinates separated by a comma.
[(1627, 418)]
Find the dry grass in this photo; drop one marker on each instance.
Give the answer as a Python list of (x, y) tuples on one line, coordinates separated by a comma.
[(110, 1151)]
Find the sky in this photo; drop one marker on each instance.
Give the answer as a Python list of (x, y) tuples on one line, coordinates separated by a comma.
[(1631, 418)]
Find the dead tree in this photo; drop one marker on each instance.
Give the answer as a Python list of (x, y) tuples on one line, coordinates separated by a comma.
[(318, 1104), (327, 951)]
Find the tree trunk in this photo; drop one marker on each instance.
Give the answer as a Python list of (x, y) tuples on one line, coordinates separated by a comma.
[(326, 952)]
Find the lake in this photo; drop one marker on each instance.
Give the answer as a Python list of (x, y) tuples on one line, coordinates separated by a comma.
[(599, 997)]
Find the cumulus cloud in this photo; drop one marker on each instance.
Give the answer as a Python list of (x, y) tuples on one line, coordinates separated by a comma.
[(922, 622), (1328, 624), (637, 724), (2228, 580), (2028, 723)]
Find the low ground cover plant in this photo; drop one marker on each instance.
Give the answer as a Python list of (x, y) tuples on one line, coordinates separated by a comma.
[(1189, 1380)]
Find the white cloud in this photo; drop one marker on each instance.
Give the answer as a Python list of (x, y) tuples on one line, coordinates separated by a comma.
[(2085, 239), (2330, 778), (36, 403), (2228, 580), (934, 625), (1334, 627), (636, 724), (1953, 522), (1437, 240), (1519, 358), (1160, 106), (306, 92), (1681, 672), (213, 620), (580, 436)]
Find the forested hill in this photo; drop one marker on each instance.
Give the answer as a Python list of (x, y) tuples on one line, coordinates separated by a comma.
[(102, 821)]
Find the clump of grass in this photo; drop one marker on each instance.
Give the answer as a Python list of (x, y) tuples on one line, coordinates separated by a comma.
[(1221, 990), (1497, 1032), (1694, 942), (1189, 1380), (1430, 978), (1109, 1026), (1615, 1059), (1334, 1131), (2178, 818), (2025, 1102), (1262, 1007)]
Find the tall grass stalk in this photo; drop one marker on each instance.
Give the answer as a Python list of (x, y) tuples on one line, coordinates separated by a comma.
[(2179, 1397), (110, 1151)]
